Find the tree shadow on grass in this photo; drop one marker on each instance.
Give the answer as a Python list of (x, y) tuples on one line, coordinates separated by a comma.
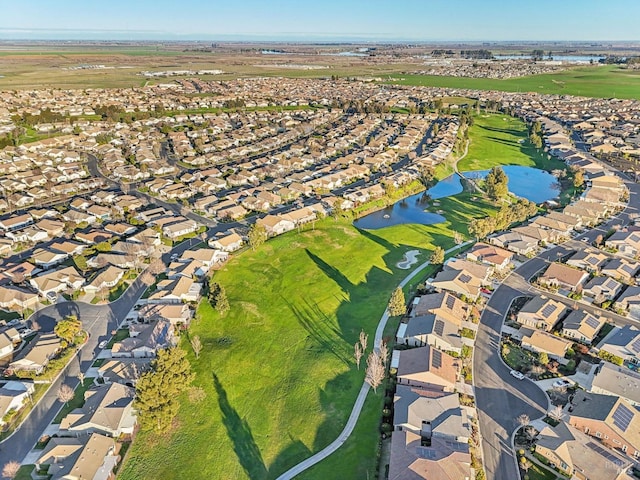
[(239, 432), (510, 131)]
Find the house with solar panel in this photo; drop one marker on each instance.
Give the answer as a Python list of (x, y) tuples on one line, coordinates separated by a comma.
[(541, 312), (589, 259), (629, 302), (431, 330), (602, 289), (582, 326), (426, 367), (461, 282), (615, 380), (625, 242), (624, 343), (578, 456), (443, 304), (610, 419), (621, 269)]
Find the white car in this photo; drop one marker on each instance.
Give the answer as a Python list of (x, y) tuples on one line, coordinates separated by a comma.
[(517, 374), (26, 332), (103, 344), (562, 383)]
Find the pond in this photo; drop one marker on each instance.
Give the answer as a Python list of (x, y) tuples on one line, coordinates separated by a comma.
[(527, 182)]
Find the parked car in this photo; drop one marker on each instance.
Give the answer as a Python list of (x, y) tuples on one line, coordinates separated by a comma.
[(103, 344), (517, 374), (26, 332), (562, 383)]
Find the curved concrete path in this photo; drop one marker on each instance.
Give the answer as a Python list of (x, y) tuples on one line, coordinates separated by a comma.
[(362, 395)]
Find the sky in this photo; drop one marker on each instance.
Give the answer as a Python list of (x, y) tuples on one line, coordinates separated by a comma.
[(312, 20)]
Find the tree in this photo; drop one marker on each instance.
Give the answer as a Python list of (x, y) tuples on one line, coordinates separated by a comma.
[(457, 238), (68, 328), (397, 304), (357, 353), (375, 371), (65, 393), (578, 178), (525, 464), (364, 339), (523, 420), (543, 358), (556, 413), (157, 391), (384, 353), (496, 183), (10, 469), (599, 239), (257, 235), (221, 301), (196, 345), (437, 257)]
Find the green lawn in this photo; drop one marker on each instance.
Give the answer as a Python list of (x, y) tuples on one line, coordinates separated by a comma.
[(120, 335), (597, 81), (278, 368), (503, 140), (77, 402)]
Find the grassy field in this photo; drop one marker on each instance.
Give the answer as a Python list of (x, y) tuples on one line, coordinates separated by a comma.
[(503, 140), (278, 368), (596, 81)]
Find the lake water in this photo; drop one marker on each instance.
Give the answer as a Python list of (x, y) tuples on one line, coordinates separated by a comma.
[(527, 182)]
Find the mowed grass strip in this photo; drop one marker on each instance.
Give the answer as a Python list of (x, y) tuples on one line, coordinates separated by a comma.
[(503, 140), (278, 368)]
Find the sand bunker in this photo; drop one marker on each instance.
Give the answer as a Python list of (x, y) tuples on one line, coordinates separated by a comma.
[(410, 258)]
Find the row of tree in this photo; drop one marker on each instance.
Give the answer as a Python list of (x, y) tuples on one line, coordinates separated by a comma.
[(508, 214)]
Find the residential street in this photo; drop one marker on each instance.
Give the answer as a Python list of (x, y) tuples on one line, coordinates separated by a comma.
[(500, 398)]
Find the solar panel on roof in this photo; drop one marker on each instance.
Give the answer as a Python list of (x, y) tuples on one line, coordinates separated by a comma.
[(426, 452), (465, 278), (439, 327), (592, 321), (451, 300), (635, 346), (604, 453), (592, 260), (622, 417), (548, 310), (437, 359)]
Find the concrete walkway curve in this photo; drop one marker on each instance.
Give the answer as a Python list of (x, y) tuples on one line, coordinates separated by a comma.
[(364, 390)]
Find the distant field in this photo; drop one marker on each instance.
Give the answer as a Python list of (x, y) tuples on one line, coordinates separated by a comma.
[(597, 81)]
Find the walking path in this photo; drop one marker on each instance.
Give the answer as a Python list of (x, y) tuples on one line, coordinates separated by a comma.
[(364, 390)]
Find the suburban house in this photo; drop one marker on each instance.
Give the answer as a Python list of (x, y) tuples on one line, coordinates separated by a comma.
[(621, 269), (426, 367), (481, 271), (145, 340), (431, 438), (515, 242), (179, 229), (177, 314), (227, 243), (578, 456), (497, 257), (582, 326), (107, 278), (126, 371), (612, 420), (36, 355), (564, 277), (276, 225), (8, 342), (57, 281), (625, 242), (601, 289), (74, 458), (182, 289), (13, 395), (541, 312), (430, 330), (107, 409), (629, 301), (443, 304), (619, 381), (588, 259), (623, 342), (540, 341), (18, 299), (461, 282)]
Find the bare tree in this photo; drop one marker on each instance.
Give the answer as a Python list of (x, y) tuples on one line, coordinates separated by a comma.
[(523, 420), (556, 413), (10, 469), (375, 371), (384, 353), (457, 238), (357, 353), (364, 338), (81, 378), (65, 393), (196, 344)]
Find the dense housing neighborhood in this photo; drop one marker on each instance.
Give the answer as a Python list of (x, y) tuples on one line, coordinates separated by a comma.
[(138, 226)]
